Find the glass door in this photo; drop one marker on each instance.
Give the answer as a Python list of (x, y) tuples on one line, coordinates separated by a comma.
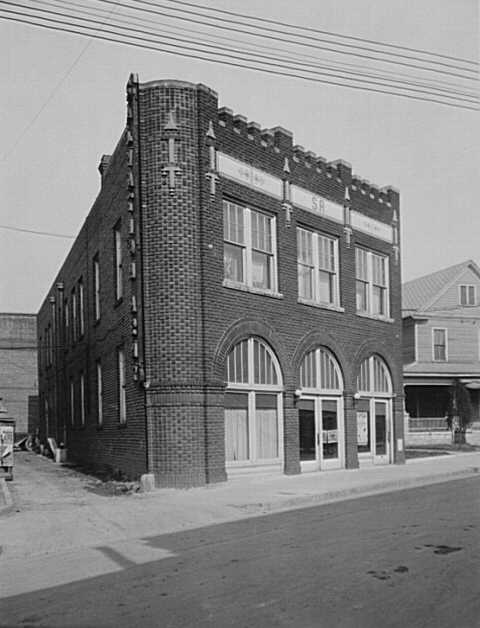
[(331, 434), (307, 426), (320, 433), (381, 431)]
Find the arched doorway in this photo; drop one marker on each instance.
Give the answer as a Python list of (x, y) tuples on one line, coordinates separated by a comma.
[(320, 412), (374, 411), (253, 406)]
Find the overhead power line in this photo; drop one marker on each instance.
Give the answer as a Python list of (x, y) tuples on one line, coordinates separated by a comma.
[(259, 58), (323, 32), (34, 232), (443, 98), (263, 35), (305, 60), (180, 51)]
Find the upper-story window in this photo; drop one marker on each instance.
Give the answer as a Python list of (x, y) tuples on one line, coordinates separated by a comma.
[(467, 295), (122, 386), (118, 261), (249, 247), (439, 345), (96, 287), (317, 263), (372, 283), (74, 315), (81, 308)]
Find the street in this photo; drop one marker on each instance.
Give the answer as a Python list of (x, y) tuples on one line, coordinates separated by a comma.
[(407, 558)]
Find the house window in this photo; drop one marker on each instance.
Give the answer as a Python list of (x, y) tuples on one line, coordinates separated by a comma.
[(317, 265), (118, 262), (74, 315), (253, 405), (82, 400), (439, 345), (249, 247), (72, 401), (96, 287), (372, 284), (66, 314), (99, 394), (122, 393), (81, 308), (467, 295)]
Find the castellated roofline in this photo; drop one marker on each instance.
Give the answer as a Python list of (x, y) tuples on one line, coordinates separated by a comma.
[(281, 140)]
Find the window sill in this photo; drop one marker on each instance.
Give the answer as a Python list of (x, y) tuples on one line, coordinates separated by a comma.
[(321, 306), (375, 317), (244, 288)]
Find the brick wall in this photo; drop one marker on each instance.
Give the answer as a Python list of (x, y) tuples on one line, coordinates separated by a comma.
[(187, 319), (18, 366)]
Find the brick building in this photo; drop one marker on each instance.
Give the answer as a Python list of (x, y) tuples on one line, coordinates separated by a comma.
[(18, 368), (231, 303)]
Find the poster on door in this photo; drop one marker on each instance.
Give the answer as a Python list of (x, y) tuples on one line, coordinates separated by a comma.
[(362, 428), (330, 436)]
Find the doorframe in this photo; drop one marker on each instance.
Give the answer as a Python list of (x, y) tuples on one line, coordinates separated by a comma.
[(319, 464), (371, 457)]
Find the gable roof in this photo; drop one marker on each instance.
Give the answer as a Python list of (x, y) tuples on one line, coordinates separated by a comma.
[(418, 294)]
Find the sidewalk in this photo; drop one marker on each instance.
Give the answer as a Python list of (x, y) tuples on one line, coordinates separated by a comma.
[(59, 530), (54, 507)]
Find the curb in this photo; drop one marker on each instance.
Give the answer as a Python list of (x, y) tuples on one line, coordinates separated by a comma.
[(356, 492), (7, 498)]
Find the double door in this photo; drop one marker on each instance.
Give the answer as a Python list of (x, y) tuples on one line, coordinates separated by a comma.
[(321, 433)]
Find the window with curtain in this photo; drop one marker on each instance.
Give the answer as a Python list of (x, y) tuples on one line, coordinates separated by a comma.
[(249, 247), (252, 404), (371, 283), (317, 263)]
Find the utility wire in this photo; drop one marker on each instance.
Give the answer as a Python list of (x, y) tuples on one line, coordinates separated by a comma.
[(323, 32), (235, 56), (221, 61), (289, 59), (42, 233), (263, 35)]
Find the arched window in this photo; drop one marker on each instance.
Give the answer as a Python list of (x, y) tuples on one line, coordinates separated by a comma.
[(374, 377), (253, 404), (320, 371)]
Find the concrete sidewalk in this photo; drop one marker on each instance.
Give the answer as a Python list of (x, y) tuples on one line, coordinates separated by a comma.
[(54, 507), (60, 530)]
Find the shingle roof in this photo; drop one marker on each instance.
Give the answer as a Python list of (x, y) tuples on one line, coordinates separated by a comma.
[(417, 293)]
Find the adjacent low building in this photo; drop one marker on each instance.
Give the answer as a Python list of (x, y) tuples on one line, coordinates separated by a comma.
[(18, 369), (230, 305), (441, 342)]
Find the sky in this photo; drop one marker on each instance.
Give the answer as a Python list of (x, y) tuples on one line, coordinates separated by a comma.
[(62, 104)]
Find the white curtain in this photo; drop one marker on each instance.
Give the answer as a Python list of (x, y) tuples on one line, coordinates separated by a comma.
[(236, 434), (267, 433)]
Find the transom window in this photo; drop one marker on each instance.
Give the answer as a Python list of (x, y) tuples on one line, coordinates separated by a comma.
[(372, 283), (374, 377), (467, 295), (320, 371), (253, 405), (439, 344), (249, 247), (317, 259)]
